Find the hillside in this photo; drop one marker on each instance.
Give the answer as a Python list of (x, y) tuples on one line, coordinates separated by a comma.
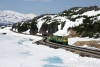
[(9, 17), (63, 23)]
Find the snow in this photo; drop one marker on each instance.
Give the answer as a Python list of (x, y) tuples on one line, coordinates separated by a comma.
[(69, 23), (75, 39), (91, 13), (78, 9), (16, 50), (8, 16), (39, 24), (26, 32), (20, 50)]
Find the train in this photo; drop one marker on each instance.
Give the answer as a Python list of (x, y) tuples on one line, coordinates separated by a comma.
[(59, 39)]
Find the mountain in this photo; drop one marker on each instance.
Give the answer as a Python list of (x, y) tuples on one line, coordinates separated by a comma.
[(9, 17), (72, 22)]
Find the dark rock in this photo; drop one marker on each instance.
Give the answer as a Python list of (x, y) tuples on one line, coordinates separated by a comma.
[(4, 33)]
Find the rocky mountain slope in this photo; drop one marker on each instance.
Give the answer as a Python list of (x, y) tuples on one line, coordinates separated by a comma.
[(9, 17), (78, 19)]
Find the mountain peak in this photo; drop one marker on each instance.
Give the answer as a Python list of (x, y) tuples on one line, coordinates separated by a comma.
[(8, 16)]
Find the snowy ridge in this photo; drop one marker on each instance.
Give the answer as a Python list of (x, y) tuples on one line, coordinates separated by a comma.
[(8, 16), (58, 24), (68, 23)]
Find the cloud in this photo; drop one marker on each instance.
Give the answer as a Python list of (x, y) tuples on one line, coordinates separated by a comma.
[(46, 0)]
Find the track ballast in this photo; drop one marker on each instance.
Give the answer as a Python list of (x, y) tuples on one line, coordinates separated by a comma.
[(79, 50)]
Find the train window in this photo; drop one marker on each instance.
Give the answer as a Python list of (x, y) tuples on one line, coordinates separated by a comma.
[(59, 39), (63, 38)]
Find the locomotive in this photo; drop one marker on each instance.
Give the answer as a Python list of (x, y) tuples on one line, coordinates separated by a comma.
[(59, 39)]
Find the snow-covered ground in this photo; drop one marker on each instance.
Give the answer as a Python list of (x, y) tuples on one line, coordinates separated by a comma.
[(17, 50)]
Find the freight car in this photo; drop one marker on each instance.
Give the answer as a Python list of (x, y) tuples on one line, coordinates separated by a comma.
[(59, 39)]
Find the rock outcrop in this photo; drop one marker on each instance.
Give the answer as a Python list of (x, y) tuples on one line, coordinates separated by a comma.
[(73, 34)]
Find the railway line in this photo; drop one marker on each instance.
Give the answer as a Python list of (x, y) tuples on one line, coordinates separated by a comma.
[(79, 50)]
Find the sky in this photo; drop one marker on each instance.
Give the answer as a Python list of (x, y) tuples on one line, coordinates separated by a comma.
[(39, 7)]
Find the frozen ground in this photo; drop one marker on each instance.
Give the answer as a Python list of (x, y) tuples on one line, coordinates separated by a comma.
[(16, 50)]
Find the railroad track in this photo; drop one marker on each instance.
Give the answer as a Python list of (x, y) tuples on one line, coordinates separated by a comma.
[(79, 50)]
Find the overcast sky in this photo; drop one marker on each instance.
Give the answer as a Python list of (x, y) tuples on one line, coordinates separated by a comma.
[(39, 7)]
